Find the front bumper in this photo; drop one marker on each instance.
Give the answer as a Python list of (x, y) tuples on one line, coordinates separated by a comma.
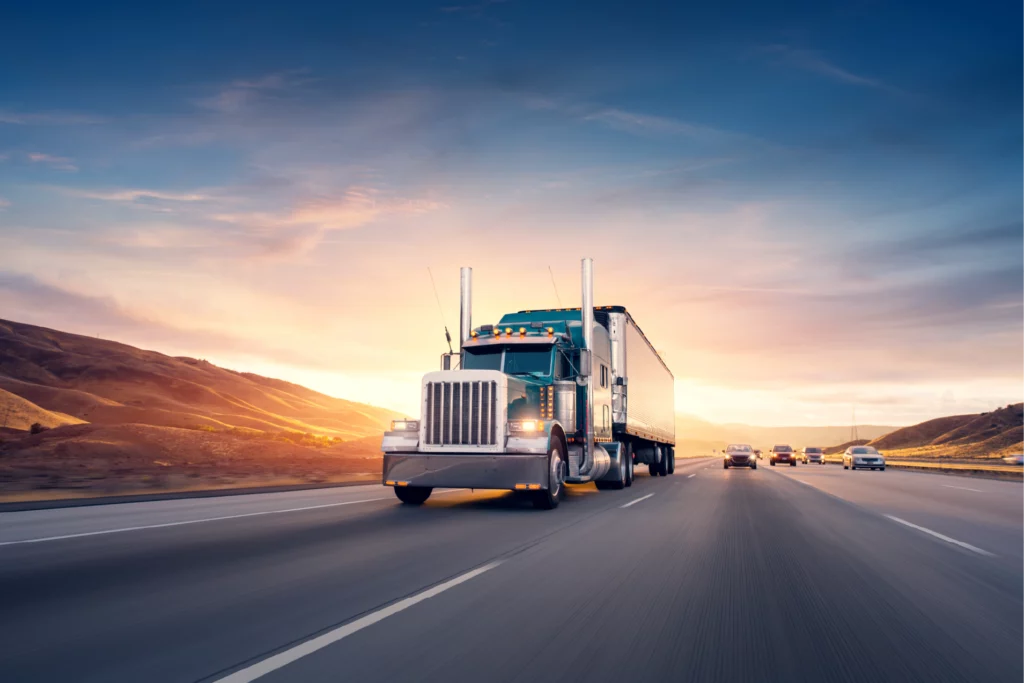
[(868, 463), (466, 470), (739, 462)]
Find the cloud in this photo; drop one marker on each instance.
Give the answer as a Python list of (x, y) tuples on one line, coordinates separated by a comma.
[(134, 195), (61, 163), (240, 94), (300, 228), (47, 118), (26, 299), (4, 203), (812, 62), (473, 8)]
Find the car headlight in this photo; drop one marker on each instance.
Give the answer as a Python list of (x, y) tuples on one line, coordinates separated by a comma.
[(525, 426), (405, 425)]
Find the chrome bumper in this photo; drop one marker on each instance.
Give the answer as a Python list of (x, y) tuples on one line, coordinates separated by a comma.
[(464, 470)]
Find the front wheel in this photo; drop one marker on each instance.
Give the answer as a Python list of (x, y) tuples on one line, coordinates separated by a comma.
[(792, 464), (753, 465), (725, 465), (772, 462), (845, 467), (413, 495), (549, 498)]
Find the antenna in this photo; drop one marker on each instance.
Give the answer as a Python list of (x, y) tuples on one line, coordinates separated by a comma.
[(440, 310), (555, 287)]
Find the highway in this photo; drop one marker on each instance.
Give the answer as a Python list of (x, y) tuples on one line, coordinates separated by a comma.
[(808, 573)]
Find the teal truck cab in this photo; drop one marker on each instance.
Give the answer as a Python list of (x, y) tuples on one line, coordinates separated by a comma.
[(538, 400)]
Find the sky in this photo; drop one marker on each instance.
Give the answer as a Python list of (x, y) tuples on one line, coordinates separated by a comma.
[(810, 208)]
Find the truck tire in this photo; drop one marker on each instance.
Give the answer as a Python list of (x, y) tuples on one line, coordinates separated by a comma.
[(413, 495), (629, 462), (671, 460), (549, 498)]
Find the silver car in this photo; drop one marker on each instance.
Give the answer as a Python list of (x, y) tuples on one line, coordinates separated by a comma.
[(863, 457), (812, 454)]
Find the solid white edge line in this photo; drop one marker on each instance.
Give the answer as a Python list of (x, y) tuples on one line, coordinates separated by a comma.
[(198, 521), (634, 502), (262, 668), (943, 537), (963, 488)]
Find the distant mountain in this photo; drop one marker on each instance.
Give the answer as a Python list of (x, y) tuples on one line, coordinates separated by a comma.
[(993, 434), (694, 428), (105, 382)]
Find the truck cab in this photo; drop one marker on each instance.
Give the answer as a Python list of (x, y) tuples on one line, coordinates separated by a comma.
[(528, 407)]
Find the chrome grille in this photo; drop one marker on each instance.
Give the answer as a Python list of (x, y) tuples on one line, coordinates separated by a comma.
[(461, 413)]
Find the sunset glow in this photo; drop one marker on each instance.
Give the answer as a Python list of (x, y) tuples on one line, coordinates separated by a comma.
[(790, 260)]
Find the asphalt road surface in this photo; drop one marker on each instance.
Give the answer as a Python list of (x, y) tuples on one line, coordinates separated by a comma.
[(779, 574)]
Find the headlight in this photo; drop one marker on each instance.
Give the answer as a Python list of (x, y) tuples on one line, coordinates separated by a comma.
[(405, 425), (525, 426)]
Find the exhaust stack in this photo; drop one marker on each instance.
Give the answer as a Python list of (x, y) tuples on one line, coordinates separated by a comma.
[(466, 307), (587, 317)]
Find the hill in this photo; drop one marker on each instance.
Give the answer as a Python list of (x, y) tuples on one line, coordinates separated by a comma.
[(122, 419), (986, 435), (104, 382), (19, 414)]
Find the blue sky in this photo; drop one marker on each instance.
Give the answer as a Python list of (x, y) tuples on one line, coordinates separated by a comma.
[(812, 205)]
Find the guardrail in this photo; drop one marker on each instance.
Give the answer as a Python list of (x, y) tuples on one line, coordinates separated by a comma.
[(948, 466)]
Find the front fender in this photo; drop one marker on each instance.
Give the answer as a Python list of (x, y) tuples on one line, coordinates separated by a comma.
[(535, 444)]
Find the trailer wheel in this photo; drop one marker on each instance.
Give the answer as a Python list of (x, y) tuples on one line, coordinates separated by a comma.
[(413, 495), (549, 498), (671, 460), (629, 463)]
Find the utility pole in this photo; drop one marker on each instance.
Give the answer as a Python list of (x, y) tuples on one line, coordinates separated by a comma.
[(853, 424)]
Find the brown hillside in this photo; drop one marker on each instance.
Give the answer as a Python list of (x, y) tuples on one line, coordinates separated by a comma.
[(105, 382), (102, 459), (19, 414), (921, 434), (841, 448), (988, 436)]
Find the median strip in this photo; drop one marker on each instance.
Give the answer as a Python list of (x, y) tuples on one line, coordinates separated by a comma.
[(947, 539), (634, 502), (262, 668)]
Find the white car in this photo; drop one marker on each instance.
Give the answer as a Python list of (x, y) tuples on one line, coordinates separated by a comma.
[(863, 457)]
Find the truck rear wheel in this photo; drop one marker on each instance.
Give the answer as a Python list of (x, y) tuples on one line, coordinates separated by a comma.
[(413, 495), (629, 463), (671, 460), (549, 498)]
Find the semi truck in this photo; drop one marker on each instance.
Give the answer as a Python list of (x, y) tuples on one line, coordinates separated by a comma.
[(538, 400)]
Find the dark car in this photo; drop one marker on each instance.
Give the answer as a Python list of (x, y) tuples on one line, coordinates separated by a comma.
[(739, 455), (782, 453)]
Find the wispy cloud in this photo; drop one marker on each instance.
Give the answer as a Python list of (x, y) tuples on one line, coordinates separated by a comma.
[(303, 226), (813, 62), (472, 8), (240, 93), (129, 195), (60, 163), (47, 118), (4, 203)]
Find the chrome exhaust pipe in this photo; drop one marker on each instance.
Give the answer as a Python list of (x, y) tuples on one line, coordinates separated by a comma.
[(587, 318), (466, 307)]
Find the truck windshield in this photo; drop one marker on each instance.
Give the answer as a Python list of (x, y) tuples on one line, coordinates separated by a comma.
[(521, 361)]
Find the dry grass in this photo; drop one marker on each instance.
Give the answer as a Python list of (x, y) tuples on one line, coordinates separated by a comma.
[(126, 420)]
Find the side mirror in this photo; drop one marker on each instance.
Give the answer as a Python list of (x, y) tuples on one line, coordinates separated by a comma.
[(586, 362)]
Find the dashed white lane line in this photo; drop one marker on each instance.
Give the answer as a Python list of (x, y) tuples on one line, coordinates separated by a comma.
[(691, 476), (962, 488), (634, 502), (164, 525), (943, 537), (262, 668)]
